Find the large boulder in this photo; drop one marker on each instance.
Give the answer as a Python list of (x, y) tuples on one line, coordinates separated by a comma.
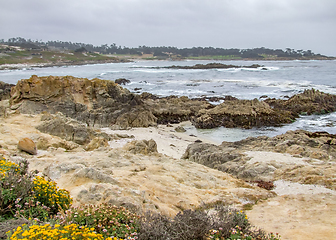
[(27, 145), (95, 102)]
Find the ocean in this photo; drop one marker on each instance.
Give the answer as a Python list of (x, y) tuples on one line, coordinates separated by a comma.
[(275, 79)]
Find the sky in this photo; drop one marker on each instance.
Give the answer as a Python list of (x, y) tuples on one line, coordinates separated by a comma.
[(276, 24)]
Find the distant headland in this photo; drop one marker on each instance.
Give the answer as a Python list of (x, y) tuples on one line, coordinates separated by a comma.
[(19, 52)]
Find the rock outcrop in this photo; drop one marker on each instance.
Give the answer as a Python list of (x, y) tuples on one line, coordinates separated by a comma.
[(103, 103), (69, 129), (142, 146), (241, 113), (122, 81), (309, 157), (214, 65), (174, 109), (96, 102), (309, 102), (271, 112), (5, 89)]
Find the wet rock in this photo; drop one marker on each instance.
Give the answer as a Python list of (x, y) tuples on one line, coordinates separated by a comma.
[(241, 113), (213, 65), (103, 103), (27, 145), (309, 102), (172, 109), (122, 81), (180, 129)]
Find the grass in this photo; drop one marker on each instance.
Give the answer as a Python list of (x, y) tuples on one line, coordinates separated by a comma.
[(52, 57)]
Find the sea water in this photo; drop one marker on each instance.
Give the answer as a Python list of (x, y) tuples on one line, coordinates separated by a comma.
[(275, 79)]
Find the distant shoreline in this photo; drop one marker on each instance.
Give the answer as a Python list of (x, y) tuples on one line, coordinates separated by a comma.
[(18, 66)]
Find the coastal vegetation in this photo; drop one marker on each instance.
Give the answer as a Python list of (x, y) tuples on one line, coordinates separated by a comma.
[(26, 51), (47, 213)]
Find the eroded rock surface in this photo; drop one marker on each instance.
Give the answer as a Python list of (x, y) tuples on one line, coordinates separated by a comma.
[(5, 89), (95, 102), (271, 112), (298, 156), (103, 103)]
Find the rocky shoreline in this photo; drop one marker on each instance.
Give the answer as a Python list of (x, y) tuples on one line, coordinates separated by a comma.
[(105, 144), (104, 103)]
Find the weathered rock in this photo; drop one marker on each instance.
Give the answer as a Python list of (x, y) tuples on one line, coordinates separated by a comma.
[(5, 89), (96, 143), (103, 103), (27, 145), (309, 102), (213, 65), (174, 109), (180, 129), (241, 113), (312, 160), (141, 146), (93, 174), (4, 106), (70, 129), (43, 143), (67, 129), (95, 102), (122, 81)]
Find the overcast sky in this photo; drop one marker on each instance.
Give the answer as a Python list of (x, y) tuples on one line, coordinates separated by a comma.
[(297, 24)]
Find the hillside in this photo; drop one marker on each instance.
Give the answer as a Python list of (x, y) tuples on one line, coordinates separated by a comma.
[(58, 53)]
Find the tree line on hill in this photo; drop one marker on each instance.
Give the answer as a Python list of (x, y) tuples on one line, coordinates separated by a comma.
[(162, 51)]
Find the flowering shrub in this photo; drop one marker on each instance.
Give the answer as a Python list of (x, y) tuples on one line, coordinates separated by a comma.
[(22, 195), (110, 221), (47, 193), (72, 231), (15, 188), (6, 165)]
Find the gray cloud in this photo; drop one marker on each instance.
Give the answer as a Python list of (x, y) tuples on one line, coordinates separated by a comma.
[(299, 24)]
